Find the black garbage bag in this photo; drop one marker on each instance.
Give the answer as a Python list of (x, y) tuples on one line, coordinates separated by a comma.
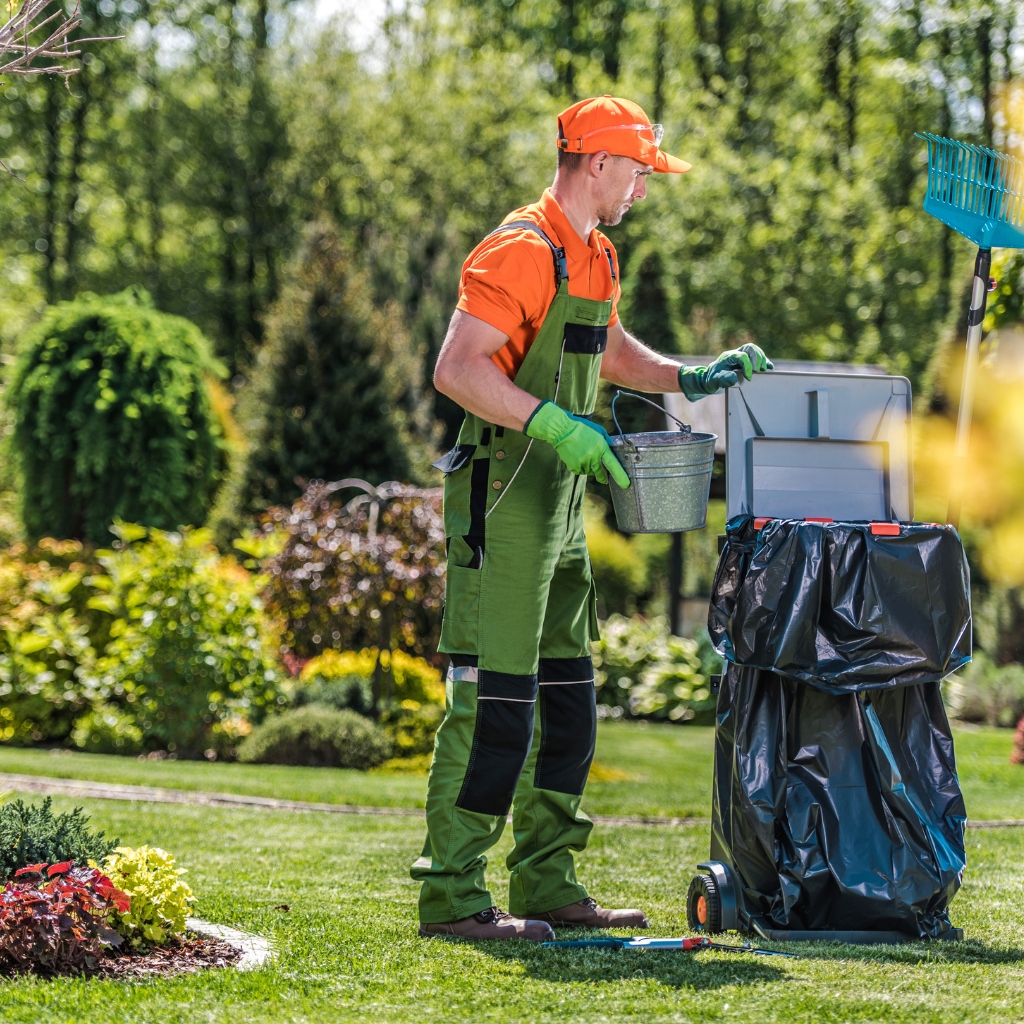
[(839, 608), (838, 811)]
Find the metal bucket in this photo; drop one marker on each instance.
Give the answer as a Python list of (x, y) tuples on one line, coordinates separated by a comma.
[(670, 477)]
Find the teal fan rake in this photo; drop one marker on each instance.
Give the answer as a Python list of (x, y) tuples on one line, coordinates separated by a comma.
[(979, 194)]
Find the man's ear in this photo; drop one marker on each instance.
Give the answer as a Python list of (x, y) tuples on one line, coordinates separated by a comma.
[(598, 162)]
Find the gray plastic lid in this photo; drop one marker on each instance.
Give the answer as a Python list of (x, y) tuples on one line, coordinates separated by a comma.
[(829, 445)]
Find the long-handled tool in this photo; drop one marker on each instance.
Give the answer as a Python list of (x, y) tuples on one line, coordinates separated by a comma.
[(687, 945), (980, 194)]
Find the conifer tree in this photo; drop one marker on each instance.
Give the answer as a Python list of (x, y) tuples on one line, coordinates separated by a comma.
[(337, 389)]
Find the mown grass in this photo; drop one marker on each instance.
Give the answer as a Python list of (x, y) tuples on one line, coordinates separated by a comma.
[(348, 951), (669, 771)]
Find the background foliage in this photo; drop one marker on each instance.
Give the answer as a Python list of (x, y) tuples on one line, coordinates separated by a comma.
[(306, 203)]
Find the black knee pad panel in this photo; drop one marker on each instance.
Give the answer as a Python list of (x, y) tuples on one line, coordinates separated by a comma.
[(501, 741), (568, 710)]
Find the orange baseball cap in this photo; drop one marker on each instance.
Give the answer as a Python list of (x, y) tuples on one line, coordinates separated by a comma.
[(618, 126)]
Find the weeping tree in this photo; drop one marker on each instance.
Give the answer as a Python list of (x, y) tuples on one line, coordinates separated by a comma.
[(117, 414)]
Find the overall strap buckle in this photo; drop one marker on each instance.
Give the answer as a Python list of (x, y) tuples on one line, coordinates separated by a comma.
[(557, 252)]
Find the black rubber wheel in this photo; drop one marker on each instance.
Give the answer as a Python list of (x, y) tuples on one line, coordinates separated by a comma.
[(704, 906)]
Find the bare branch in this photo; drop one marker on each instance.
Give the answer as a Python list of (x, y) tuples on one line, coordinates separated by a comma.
[(17, 53)]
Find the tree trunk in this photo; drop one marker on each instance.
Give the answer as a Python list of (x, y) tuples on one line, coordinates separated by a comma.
[(984, 37), (54, 105), (660, 47), (74, 178)]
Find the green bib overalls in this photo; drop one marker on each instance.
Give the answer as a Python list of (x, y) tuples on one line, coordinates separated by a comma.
[(520, 612)]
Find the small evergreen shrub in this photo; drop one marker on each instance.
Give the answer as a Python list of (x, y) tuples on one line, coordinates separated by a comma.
[(31, 833), (113, 418), (159, 898), (317, 737), (353, 692), (55, 918), (337, 388), (412, 697)]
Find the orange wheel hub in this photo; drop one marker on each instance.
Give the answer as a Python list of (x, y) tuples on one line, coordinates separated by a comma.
[(702, 910)]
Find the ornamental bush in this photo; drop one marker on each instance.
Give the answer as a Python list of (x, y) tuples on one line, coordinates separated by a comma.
[(114, 417), (366, 571), (160, 643), (317, 737), (55, 917), (31, 833), (159, 898), (190, 661)]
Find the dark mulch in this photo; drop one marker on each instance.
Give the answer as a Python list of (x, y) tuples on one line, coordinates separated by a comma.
[(184, 957)]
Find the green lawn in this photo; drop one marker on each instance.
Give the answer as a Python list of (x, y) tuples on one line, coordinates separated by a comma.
[(348, 950), (669, 768)]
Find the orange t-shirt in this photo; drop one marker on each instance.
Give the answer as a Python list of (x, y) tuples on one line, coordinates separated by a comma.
[(508, 280)]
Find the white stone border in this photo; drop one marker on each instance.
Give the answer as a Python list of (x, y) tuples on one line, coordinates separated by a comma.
[(256, 951)]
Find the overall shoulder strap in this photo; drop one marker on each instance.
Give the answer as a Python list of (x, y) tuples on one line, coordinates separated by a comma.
[(611, 265), (557, 252)]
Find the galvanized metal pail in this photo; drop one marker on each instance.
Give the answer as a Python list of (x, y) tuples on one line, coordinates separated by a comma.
[(669, 474)]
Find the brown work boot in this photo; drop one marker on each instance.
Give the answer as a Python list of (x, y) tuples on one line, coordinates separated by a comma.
[(587, 914), (490, 924)]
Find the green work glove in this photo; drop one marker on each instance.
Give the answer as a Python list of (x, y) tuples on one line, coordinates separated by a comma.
[(697, 381), (581, 445)]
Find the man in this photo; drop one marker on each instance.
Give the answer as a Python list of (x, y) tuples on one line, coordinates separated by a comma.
[(535, 328)]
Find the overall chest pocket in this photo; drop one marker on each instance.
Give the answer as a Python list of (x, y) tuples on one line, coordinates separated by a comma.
[(585, 339)]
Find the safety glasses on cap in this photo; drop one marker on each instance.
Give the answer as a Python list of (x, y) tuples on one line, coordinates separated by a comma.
[(647, 132)]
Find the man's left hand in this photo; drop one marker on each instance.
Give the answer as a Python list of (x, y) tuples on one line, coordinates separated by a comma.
[(696, 382)]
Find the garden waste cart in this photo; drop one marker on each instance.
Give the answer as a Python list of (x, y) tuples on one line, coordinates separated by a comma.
[(837, 812)]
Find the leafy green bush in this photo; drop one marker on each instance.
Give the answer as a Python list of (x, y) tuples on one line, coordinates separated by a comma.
[(30, 834), (189, 660), (986, 692), (159, 898), (161, 643), (45, 644), (644, 671), (411, 726), (317, 737), (620, 575), (113, 418)]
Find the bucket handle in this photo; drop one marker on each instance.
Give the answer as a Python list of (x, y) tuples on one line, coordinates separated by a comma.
[(629, 394)]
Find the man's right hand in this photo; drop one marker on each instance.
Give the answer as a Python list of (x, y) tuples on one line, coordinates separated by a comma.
[(581, 444)]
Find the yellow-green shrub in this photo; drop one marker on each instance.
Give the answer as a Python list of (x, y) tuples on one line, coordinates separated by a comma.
[(414, 678), (159, 898)]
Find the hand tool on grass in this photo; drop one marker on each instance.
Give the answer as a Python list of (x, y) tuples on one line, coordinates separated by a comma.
[(687, 945), (978, 193)]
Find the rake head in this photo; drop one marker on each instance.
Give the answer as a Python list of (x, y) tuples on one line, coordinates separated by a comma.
[(976, 191)]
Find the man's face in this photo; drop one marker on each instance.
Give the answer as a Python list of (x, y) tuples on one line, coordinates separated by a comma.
[(622, 183)]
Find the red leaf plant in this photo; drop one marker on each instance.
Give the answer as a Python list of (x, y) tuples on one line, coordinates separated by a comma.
[(58, 920)]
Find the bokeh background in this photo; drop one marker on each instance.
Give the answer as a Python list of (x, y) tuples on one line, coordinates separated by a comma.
[(302, 181)]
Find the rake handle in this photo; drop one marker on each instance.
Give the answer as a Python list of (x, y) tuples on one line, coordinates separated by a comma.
[(969, 383)]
